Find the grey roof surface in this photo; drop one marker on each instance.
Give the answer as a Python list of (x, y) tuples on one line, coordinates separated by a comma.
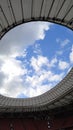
[(15, 12)]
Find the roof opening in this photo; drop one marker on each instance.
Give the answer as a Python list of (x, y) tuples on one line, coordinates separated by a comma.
[(34, 57)]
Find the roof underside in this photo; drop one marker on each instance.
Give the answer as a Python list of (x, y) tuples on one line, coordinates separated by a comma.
[(15, 12)]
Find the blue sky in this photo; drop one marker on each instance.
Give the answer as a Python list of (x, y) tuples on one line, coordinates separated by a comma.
[(34, 57)]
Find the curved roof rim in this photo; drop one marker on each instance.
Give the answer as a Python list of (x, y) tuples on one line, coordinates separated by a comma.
[(57, 21)]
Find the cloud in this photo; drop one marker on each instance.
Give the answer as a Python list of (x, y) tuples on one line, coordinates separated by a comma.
[(38, 62), (41, 80), (17, 39), (63, 65), (21, 76), (13, 73), (53, 62), (12, 88), (71, 55), (2, 78), (42, 61), (38, 90), (63, 43), (59, 52), (37, 49)]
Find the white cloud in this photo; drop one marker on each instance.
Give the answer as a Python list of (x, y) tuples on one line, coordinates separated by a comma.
[(38, 62), (41, 61), (22, 36), (37, 49), (41, 80), (59, 52), (12, 88), (38, 90), (13, 73), (2, 78), (12, 67), (53, 62), (63, 65), (71, 55), (63, 43), (15, 76)]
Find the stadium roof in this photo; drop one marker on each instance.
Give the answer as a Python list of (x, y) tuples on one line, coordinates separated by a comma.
[(15, 12)]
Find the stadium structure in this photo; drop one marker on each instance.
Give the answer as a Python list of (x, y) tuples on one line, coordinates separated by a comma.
[(52, 110)]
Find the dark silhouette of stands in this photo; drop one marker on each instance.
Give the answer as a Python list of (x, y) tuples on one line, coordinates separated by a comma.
[(65, 123)]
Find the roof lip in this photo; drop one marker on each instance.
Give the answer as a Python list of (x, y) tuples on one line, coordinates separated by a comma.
[(56, 21)]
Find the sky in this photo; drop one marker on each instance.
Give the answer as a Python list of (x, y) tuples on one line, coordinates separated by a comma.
[(34, 57)]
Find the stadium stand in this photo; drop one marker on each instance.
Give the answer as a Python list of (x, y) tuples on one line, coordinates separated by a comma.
[(31, 124)]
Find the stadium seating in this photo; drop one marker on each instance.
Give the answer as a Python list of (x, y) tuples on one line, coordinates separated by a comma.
[(65, 123)]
